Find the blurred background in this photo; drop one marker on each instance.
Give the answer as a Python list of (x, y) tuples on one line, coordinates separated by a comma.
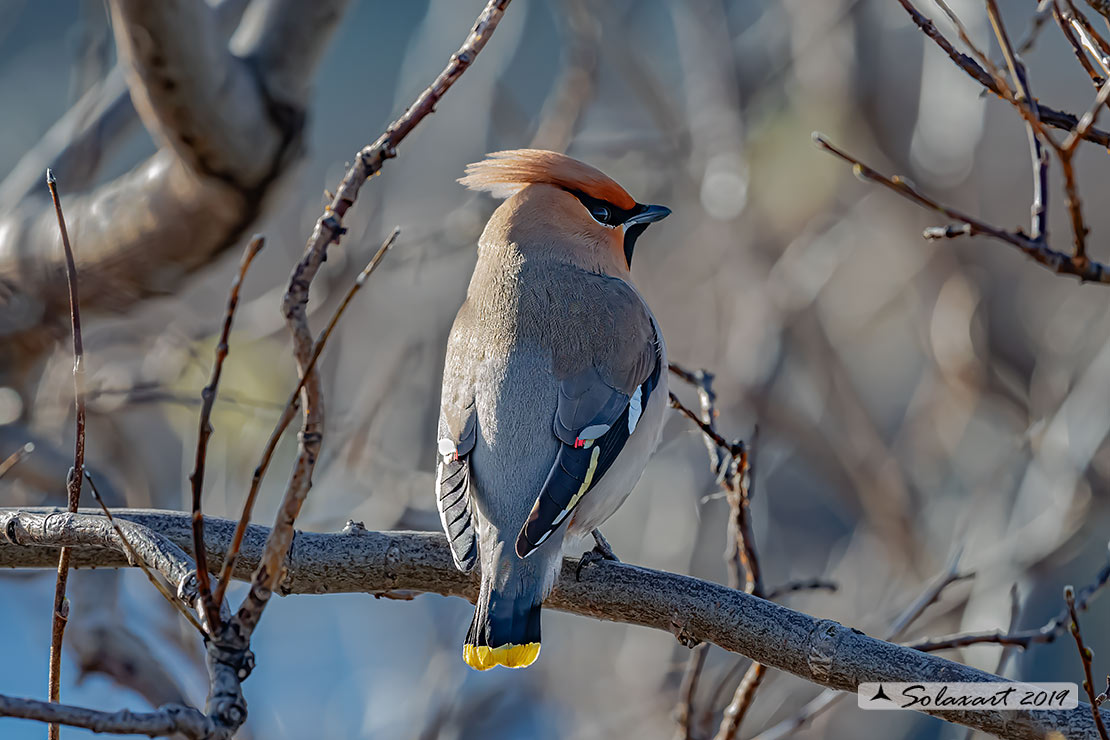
[(913, 397)]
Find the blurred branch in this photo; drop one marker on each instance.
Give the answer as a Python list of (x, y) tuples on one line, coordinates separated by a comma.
[(684, 711), (14, 459), (226, 138), (808, 584), (577, 81), (818, 650), (76, 145), (1101, 6)]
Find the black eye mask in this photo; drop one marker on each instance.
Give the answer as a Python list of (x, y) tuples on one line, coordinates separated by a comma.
[(608, 214)]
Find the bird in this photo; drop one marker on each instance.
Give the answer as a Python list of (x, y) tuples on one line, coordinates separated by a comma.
[(554, 388)]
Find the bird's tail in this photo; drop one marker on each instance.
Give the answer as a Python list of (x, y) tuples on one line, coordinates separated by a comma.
[(506, 627)]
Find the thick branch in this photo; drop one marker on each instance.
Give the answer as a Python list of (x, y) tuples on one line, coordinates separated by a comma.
[(227, 138), (817, 650), (41, 532)]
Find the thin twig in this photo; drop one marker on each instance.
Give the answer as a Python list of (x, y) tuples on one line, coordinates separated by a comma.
[(1064, 19), (743, 561), (287, 416), (209, 606), (702, 380), (823, 701), (15, 458), (1038, 228), (1049, 116), (1044, 10), (134, 556), (741, 701), (1055, 261), (76, 473), (1085, 656), (732, 447), (684, 710), (1020, 638)]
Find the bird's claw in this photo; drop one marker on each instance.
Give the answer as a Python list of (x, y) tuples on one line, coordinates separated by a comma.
[(601, 551)]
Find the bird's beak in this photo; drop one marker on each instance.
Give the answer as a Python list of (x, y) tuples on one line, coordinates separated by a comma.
[(649, 215)]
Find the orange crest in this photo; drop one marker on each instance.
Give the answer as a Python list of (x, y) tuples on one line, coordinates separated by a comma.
[(505, 173)]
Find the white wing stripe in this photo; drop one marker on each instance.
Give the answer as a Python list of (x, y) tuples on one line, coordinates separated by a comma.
[(634, 409)]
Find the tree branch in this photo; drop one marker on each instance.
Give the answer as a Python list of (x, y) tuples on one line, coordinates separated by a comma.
[(225, 147), (818, 650), (166, 720)]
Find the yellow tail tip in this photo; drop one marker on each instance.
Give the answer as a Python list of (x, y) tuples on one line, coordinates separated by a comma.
[(482, 658)]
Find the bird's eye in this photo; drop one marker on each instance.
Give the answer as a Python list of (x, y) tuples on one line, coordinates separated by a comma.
[(600, 213)]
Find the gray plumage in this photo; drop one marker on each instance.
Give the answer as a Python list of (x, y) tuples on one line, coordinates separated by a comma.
[(553, 393)]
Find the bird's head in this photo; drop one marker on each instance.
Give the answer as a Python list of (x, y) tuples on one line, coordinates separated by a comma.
[(558, 201)]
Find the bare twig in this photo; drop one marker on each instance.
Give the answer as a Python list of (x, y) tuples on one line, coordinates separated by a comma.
[(823, 701), (1044, 11), (134, 557), (229, 125), (1039, 209), (328, 230), (1055, 261), (684, 710), (741, 701), (76, 473), (741, 554), (1085, 656), (1101, 6), (209, 606), (708, 431), (1048, 116), (734, 471), (1020, 638), (287, 416), (743, 561), (13, 459), (1064, 19), (702, 380)]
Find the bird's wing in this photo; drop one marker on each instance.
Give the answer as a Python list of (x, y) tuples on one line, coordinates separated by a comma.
[(458, 432), (599, 406)]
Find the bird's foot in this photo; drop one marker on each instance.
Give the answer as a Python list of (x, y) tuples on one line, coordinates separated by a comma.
[(601, 551)]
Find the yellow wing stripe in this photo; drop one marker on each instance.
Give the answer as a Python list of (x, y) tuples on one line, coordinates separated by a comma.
[(482, 657), (589, 479)]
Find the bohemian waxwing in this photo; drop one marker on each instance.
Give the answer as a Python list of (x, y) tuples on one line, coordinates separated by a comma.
[(553, 390)]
